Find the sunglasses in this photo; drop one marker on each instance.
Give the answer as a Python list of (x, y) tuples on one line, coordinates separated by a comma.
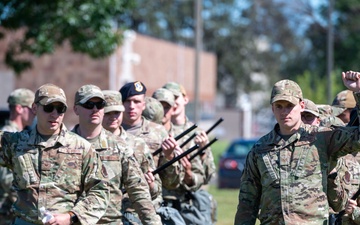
[(91, 105), (308, 116), (50, 108)]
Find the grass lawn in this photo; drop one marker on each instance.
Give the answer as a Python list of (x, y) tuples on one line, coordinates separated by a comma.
[(227, 199)]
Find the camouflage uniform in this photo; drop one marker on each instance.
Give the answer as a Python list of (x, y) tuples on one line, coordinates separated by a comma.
[(343, 184), (197, 205), (122, 168), (327, 117), (69, 167), (287, 178), (23, 97), (153, 111)]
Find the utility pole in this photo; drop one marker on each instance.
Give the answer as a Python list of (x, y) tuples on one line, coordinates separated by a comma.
[(330, 51), (198, 48)]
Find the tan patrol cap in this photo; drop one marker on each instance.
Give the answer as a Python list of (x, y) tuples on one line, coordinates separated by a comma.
[(113, 101), (87, 92), (49, 93), (21, 96), (286, 90)]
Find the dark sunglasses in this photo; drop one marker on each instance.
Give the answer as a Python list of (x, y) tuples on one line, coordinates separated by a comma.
[(308, 116), (50, 108), (90, 105)]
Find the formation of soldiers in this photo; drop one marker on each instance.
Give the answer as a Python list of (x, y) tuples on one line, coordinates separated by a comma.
[(306, 170), (105, 170)]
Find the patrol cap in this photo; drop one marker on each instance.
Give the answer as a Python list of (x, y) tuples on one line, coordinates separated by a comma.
[(153, 111), (113, 101), (286, 90), (344, 99), (131, 89), (174, 87), (164, 95), (337, 110), (21, 96), (87, 92), (49, 93), (311, 107)]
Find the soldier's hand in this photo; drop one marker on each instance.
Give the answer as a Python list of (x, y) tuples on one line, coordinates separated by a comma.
[(351, 80), (350, 206), (59, 219), (168, 145), (201, 139), (150, 178)]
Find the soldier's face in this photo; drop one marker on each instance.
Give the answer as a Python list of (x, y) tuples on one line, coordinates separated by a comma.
[(49, 122), (92, 116), (112, 120), (27, 115), (288, 115), (179, 107), (168, 111), (134, 106)]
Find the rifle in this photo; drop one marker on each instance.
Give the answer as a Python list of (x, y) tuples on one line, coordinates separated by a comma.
[(177, 138), (336, 219), (162, 167), (207, 132), (200, 151)]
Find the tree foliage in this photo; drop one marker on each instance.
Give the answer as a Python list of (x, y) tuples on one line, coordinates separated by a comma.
[(87, 25)]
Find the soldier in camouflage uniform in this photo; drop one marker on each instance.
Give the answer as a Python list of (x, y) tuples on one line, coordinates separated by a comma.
[(155, 135), (192, 196), (112, 122), (344, 102), (153, 110), (286, 171), (54, 170), (310, 115), (116, 155), (21, 116), (327, 116)]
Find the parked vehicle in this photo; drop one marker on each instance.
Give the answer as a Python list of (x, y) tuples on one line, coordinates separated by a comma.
[(232, 162)]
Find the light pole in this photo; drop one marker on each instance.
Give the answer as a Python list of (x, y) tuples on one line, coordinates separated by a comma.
[(198, 47), (330, 51)]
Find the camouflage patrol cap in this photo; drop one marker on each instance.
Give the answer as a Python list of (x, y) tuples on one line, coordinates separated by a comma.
[(286, 90), (49, 93), (131, 89), (113, 101), (325, 110), (87, 92), (154, 111), (21, 96), (311, 107), (174, 87), (164, 95), (344, 99)]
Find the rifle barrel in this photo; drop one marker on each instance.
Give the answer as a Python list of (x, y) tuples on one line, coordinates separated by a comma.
[(177, 137), (207, 132), (201, 150)]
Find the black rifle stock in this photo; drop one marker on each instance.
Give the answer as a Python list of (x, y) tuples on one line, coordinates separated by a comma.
[(177, 137), (164, 166), (338, 217), (207, 132), (201, 150)]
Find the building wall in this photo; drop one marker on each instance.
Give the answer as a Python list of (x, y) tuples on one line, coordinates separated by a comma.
[(155, 63)]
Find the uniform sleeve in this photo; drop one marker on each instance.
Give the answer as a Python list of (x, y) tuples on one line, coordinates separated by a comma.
[(96, 190), (138, 191), (249, 194)]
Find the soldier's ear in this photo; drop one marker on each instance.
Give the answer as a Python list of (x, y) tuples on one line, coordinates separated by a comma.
[(34, 108)]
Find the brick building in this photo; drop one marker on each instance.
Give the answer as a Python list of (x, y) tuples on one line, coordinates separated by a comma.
[(150, 60)]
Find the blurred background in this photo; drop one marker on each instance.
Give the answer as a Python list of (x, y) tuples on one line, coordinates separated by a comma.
[(226, 53)]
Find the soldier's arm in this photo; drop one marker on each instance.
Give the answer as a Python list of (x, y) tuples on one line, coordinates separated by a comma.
[(138, 191), (96, 190), (249, 194)]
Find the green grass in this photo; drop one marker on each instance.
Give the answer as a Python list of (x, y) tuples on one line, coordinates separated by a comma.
[(227, 199)]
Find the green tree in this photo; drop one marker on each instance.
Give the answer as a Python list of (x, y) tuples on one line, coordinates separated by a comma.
[(87, 25)]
